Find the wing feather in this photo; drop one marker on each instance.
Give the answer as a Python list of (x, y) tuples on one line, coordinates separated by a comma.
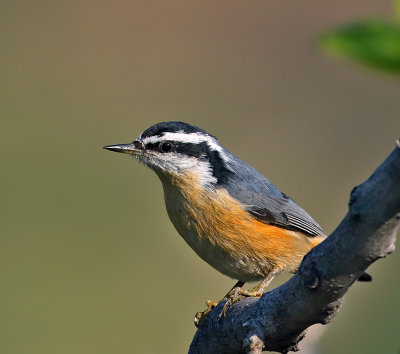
[(265, 202)]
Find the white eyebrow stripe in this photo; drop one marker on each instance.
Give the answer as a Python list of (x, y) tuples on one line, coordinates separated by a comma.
[(194, 138)]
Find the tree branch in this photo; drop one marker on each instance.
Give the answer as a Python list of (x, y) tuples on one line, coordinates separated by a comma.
[(278, 320)]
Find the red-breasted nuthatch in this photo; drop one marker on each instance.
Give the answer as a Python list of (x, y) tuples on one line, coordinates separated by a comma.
[(227, 212)]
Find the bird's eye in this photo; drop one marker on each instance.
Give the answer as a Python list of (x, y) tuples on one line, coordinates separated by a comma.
[(165, 146)]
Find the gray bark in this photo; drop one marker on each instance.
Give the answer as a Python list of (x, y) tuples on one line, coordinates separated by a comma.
[(278, 320)]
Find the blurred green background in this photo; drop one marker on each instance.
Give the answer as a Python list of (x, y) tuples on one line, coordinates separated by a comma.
[(89, 261)]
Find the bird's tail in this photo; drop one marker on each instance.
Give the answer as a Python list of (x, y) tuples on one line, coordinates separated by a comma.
[(364, 277)]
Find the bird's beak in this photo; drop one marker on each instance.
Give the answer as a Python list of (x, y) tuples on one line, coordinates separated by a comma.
[(134, 148)]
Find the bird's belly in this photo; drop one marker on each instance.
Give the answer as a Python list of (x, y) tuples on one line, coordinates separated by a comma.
[(241, 268), (237, 265), (223, 234)]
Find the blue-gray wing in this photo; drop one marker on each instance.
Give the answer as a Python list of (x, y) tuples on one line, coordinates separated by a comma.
[(266, 203), (289, 216)]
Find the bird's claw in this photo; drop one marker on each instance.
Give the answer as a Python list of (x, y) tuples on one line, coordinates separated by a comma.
[(235, 295), (200, 317)]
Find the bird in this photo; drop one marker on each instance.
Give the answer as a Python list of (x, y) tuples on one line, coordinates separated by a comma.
[(233, 217)]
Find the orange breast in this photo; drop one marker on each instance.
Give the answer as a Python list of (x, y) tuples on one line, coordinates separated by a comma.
[(222, 221)]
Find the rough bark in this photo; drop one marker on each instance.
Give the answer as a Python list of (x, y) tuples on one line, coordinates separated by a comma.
[(278, 320)]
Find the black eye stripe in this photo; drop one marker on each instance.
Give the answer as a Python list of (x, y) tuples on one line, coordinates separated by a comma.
[(192, 150), (151, 146), (187, 149)]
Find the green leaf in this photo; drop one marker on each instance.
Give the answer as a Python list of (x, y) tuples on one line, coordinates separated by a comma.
[(372, 42)]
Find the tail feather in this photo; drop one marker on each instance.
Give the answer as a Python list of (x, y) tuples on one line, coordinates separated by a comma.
[(364, 277)]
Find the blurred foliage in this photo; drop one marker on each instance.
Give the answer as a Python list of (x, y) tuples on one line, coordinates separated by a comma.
[(373, 42), (397, 8)]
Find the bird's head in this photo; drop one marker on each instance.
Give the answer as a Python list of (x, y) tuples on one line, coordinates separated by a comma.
[(173, 149)]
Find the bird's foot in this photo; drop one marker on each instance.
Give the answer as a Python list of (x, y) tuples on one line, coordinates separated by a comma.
[(234, 295), (200, 317), (237, 294)]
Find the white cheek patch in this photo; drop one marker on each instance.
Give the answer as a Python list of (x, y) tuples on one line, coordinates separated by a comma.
[(203, 168), (178, 163)]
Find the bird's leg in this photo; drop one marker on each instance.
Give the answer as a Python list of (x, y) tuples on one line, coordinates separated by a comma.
[(237, 293), (235, 290), (258, 290), (201, 316)]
